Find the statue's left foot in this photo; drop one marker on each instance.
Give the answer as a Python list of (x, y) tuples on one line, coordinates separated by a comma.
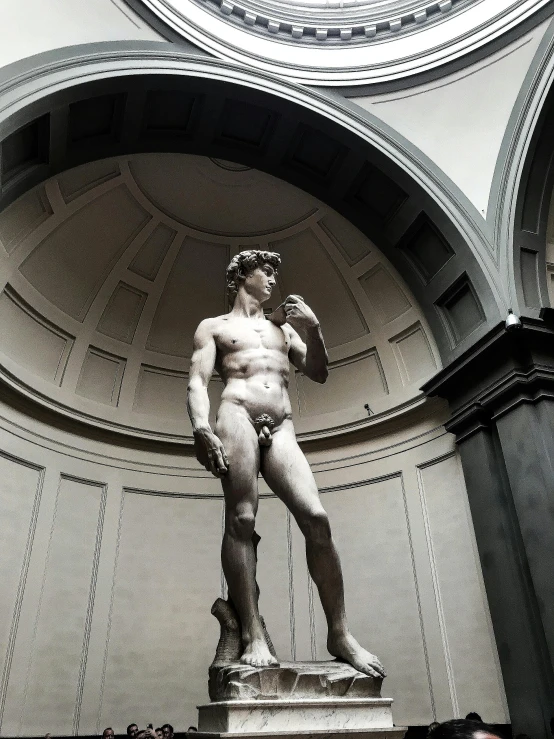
[(257, 654), (345, 647)]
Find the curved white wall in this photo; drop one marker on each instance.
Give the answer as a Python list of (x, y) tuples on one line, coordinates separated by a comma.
[(111, 564), (35, 27)]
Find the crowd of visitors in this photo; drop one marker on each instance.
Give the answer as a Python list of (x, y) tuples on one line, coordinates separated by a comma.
[(133, 732), (470, 727)]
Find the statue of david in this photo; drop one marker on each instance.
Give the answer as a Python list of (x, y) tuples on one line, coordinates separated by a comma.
[(254, 434)]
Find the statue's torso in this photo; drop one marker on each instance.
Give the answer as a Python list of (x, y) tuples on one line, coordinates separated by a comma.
[(253, 362)]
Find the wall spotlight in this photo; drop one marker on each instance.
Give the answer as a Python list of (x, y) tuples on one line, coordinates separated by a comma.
[(512, 321)]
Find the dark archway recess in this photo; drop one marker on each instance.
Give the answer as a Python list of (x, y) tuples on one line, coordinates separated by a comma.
[(176, 113), (501, 394)]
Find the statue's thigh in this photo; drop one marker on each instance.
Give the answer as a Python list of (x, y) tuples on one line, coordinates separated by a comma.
[(288, 474), (243, 452)]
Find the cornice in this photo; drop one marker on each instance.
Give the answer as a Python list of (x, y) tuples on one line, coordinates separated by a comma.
[(340, 52), (26, 399), (331, 24), (515, 388), (500, 372)]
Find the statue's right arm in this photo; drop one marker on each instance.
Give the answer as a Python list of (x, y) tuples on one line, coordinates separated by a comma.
[(209, 449)]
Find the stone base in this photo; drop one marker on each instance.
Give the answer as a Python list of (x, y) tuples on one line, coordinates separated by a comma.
[(291, 716), (394, 733), (297, 700), (291, 681)]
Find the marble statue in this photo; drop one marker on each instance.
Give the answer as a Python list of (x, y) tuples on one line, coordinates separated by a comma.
[(254, 434)]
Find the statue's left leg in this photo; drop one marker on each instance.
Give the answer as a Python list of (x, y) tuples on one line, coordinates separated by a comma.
[(288, 474)]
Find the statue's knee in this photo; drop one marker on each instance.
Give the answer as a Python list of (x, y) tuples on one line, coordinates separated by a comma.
[(241, 524), (315, 527)]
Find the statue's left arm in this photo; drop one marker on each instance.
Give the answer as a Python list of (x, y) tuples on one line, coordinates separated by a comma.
[(310, 357)]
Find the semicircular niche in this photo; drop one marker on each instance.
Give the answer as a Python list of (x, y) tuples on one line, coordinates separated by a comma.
[(108, 268)]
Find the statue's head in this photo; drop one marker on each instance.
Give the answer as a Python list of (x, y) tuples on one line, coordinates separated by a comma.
[(244, 263)]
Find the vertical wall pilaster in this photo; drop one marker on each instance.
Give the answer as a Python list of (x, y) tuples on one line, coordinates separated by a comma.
[(501, 394)]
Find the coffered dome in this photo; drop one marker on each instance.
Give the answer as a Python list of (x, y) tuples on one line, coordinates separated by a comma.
[(108, 269)]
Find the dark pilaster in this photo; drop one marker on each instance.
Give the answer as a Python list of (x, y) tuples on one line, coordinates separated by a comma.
[(501, 394)]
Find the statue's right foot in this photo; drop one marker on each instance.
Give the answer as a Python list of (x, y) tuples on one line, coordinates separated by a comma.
[(257, 654)]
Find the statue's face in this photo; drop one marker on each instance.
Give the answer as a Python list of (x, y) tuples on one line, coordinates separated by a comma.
[(260, 282)]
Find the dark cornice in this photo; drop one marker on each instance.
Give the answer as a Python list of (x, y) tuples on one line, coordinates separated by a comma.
[(501, 371)]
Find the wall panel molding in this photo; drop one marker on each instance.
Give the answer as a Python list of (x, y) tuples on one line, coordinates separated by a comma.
[(22, 578), (90, 607), (436, 587), (40, 653)]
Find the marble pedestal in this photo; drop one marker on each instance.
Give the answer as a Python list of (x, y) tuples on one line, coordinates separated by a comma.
[(295, 699), (291, 716)]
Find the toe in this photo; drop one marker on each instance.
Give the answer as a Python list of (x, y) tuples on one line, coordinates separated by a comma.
[(364, 667)]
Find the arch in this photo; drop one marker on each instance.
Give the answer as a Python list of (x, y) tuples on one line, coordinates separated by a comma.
[(520, 200), (532, 211), (64, 108)]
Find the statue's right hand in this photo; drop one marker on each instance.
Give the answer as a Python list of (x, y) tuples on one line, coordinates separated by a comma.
[(210, 452)]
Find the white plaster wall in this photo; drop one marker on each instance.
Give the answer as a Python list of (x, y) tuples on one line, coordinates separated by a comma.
[(459, 120), (110, 564), (33, 26)]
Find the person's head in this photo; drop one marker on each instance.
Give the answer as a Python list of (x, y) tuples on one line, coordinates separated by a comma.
[(159, 733), (108, 733), (167, 731), (132, 731), (472, 716), (462, 728), (255, 271)]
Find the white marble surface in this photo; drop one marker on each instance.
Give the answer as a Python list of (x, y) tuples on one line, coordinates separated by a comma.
[(396, 732), (267, 716)]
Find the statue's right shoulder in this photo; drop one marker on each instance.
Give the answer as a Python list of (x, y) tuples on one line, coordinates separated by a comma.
[(205, 331), (211, 327), (209, 324)]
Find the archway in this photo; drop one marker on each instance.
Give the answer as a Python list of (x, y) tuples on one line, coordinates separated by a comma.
[(170, 101)]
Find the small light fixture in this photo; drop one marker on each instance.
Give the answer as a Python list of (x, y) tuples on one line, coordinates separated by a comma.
[(368, 409), (512, 321)]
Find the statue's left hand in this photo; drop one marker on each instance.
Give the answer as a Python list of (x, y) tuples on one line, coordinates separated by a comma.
[(299, 314)]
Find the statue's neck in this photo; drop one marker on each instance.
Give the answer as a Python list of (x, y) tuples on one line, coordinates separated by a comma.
[(247, 306)]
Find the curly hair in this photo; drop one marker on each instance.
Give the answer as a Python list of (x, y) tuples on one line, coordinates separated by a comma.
[(460, 728), (245, 262)]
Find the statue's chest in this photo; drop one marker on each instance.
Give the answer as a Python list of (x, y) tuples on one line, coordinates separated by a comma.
[(240, 337)]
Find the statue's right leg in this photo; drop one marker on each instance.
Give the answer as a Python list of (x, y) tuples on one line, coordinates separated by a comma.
[(240, 487)]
